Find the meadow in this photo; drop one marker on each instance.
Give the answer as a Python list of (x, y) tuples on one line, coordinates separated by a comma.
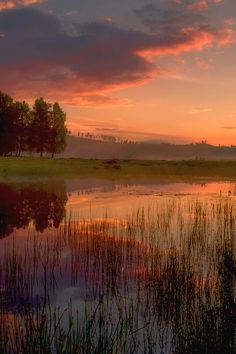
[(32, 167)]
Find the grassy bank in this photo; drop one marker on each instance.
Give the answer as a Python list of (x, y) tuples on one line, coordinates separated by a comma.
[(11, 167)]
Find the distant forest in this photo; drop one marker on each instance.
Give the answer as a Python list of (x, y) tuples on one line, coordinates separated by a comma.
[(88, 146), (40, 129)]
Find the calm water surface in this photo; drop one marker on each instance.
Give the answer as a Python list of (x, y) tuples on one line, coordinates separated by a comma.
[(46, 204), (161, 256)]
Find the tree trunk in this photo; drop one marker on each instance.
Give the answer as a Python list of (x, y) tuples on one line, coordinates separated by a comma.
[(41, 154), (52, 155)]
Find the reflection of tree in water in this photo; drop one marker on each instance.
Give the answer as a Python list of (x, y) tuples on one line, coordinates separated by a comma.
[(42, 205)]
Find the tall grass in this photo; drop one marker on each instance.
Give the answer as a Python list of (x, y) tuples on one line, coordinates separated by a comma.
[(162, 280)]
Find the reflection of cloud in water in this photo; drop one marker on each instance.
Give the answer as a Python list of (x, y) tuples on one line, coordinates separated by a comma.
[(119, 199), (168, 254)]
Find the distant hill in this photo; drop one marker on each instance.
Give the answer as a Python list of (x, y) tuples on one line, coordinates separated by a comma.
[(78, 147)]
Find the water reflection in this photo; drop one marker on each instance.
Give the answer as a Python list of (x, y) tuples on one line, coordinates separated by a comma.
[(43, 205), (173, 299), (152, 272)]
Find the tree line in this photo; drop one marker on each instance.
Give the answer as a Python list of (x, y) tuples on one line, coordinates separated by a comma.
[(39, 129), (107, 138)]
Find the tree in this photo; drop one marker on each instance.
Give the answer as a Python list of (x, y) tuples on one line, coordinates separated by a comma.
[(6, 124), (23, 129), (22, 122), (57, 130), (40, 130)]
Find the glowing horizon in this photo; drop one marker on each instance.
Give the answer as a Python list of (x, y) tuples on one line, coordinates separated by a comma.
[(130, 68)]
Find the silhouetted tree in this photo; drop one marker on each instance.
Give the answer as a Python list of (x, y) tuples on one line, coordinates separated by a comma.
[(57, 130), (40, 130), (23, 129), (22, 122), (6, 124)]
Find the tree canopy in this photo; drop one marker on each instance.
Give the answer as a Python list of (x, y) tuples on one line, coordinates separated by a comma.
[(40, 129)]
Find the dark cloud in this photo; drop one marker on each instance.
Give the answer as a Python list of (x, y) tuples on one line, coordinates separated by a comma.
[(29, 22), (29, 34), (36, 50), (39, 57), (169, 18)]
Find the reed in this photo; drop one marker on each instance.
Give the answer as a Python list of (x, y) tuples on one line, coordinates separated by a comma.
[(161, 280)]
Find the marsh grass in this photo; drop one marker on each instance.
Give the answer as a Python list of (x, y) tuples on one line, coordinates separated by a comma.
[(162, 280)]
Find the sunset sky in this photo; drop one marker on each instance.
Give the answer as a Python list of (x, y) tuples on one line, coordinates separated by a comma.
[(134, 68)]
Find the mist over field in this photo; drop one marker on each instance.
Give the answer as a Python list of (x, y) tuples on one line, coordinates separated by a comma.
[(78, 147)]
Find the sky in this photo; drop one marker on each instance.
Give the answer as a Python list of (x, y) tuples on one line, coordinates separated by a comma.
[(138, 69)]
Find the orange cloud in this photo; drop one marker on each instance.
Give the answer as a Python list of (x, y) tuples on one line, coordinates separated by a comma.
[(225, 36), (7, 5), (194, 39), (96, 101), (11, 4)]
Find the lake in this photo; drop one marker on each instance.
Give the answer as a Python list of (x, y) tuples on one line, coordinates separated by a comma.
[(97, 266)]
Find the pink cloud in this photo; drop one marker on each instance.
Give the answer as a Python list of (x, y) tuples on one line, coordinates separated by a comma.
[(202, 64), (216, 1), (194, 39), (6, 5), (198, 5), (230, 22)]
